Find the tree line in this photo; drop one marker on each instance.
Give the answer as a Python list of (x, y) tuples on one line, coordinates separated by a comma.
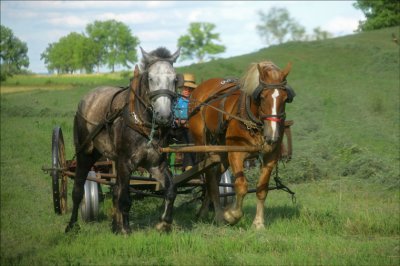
[(111, 43)]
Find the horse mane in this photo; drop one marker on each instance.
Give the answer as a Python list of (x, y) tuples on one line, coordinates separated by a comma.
[(160, 52), (250, 80)]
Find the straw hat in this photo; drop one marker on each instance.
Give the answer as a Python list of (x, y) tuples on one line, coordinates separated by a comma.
[(189, 80)]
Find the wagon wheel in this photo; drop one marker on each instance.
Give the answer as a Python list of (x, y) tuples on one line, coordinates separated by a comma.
[(90, 202), (59, 179), (226, 189)]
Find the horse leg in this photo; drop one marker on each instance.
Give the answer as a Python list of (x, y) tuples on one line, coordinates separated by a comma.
[(121, 199), (262, 190), (205, 203), (233, 214), (84, 163), (213, 177), (166, 218)]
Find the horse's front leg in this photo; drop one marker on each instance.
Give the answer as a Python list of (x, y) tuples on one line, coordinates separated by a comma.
[(233, 214), (269, 163), (163, 173), (121, 199)]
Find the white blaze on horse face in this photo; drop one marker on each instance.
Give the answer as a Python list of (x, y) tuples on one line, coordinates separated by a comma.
[(275, 95)]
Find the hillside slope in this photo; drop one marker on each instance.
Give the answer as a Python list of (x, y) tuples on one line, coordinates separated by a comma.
[(346, 111)]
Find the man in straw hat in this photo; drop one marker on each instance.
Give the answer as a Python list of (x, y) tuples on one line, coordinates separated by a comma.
[(181, 116)]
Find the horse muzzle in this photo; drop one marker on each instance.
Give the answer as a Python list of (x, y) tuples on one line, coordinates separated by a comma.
[(162, 119), (271, 132)]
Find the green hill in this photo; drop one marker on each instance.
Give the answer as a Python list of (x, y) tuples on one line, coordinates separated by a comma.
[(346, 111)]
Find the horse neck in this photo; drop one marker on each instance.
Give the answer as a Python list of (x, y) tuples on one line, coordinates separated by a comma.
[(140, 102)]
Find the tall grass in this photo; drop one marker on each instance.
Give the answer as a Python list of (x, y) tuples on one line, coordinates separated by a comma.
[(345, 171)]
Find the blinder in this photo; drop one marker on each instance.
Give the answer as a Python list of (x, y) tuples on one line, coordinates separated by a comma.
[(290, 94), (283, 85), (179, 80)]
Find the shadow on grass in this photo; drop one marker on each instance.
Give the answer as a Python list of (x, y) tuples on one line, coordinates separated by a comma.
[(275, 213), (145, 213)]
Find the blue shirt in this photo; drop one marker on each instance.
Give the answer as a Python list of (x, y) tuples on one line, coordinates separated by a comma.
[(181, 108)]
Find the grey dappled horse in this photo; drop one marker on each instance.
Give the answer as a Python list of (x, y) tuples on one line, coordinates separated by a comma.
[(132, 125)]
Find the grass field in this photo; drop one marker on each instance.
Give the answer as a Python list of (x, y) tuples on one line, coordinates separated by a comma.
[(345, 170)]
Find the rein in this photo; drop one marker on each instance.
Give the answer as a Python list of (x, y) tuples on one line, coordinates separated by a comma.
[(254, 122), (207, 102), (248, 123), (132, 115)]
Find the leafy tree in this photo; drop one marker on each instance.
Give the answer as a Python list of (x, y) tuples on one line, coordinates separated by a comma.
[(379, 14), (71, 53), (277, 26), (320, 34), (298, 32), (13, 53), (200, 43), (117, 44)]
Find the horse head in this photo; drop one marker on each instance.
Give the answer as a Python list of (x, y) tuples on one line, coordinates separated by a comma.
[(272, 94), (161, 82)]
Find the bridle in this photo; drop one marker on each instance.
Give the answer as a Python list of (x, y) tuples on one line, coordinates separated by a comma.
[(270, 86), (153, 95)]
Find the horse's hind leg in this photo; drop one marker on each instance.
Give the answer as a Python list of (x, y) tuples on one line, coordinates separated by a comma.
[(121, 199), (213, 176), (84, 163), (169, 198)]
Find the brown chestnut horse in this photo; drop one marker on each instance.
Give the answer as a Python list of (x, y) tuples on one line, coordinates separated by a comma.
[(245, 112)]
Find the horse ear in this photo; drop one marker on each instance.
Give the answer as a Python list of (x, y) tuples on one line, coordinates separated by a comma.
[(148, 58), (260, 71), (175, 55), (287, 70)]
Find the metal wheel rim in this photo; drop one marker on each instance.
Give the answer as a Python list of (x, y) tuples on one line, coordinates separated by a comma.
[(59, 163), (90, 202), (226, 178)]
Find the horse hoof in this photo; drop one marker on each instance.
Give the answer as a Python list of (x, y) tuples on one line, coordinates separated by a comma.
[(121, 231), (164, 227), (232, 217), (258, 226), (220, 219), (72, 228), (125, 231)]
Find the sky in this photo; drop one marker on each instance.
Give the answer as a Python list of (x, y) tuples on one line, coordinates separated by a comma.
[(161, 23)]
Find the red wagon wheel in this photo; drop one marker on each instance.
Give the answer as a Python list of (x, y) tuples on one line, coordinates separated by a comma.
[(59, 179)]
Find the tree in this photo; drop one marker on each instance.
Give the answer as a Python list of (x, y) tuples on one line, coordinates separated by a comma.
[(117, 44), (320, 34), (379, 14), (13, 54), (277, 26), (200, 43), (298, 32), (71, 53)]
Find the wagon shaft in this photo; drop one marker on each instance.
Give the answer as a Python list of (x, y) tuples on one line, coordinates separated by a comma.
[(216, 148)]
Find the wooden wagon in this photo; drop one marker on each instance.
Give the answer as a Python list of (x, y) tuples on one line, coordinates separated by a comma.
[(104, 173)]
